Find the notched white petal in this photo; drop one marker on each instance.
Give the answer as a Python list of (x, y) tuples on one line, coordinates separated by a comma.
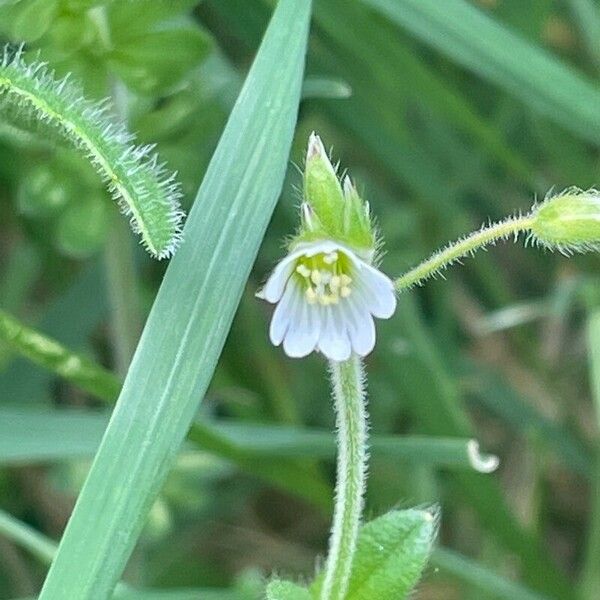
[(275, 285), (303, 332), (377, 290), (361, 327), (282, 315), (331, 311), (334, 341)]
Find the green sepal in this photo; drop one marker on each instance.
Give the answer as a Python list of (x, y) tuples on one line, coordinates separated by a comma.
[(286, 590), (322, 189), (391, 554), (330, 211), (357, 218)]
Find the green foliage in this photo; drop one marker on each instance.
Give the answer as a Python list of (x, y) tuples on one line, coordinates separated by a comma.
[(201, 288), (484, 46), (448, 115), (52, 355), (147, 193), (153, 62), (391, 555), (286, 590), (484, 580)]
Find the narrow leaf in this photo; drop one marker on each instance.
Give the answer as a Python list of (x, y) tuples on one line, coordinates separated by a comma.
[(190, 318), (41, 435), (487, 582)]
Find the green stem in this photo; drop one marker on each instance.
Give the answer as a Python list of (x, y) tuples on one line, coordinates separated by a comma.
[(37, 543), (52, 355), (122, 290), (590, 576), (27, 537), (464, 247), (351, 420), (120, 265)]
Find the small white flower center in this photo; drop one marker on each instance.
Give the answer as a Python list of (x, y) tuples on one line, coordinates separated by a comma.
[(325, 277)]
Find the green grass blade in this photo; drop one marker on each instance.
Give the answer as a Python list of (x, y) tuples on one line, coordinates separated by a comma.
[(590, 574), (474, 40), (190, 318), (490, 584), (71, 317), (325, 87), (39, 545), (294, 442), (447, 416), (402, 65), (496, 395), (44, 549), (42, 435), (586, 14)]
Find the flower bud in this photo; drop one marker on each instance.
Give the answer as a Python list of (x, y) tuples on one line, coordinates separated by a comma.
[(322, 189), (330, 212), (569, 221)]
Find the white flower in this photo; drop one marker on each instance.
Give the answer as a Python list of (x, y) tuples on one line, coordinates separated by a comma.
[(326, 299)]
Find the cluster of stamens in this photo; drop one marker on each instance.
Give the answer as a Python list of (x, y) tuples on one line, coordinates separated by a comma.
[(324, 277)]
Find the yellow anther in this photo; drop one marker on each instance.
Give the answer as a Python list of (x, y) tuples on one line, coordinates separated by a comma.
[(345, 292), (303, 270), (335, 283), (345, 280), (330, 258), (316, 276), (311, 296), (327, 299)]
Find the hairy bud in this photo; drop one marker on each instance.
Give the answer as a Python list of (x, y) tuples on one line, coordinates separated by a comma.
[(330, 211), (568, 222)]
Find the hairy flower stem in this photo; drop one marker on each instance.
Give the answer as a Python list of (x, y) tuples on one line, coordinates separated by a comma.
[(464, 247), (349, 396)]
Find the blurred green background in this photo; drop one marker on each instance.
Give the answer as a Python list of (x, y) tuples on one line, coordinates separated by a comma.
[(441, 134)]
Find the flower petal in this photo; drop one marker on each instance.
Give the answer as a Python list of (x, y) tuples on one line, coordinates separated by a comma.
[(283, 314), (334, 342), (325, 247), (377, 290), (361, 327), (275, 285), (303, 332)]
